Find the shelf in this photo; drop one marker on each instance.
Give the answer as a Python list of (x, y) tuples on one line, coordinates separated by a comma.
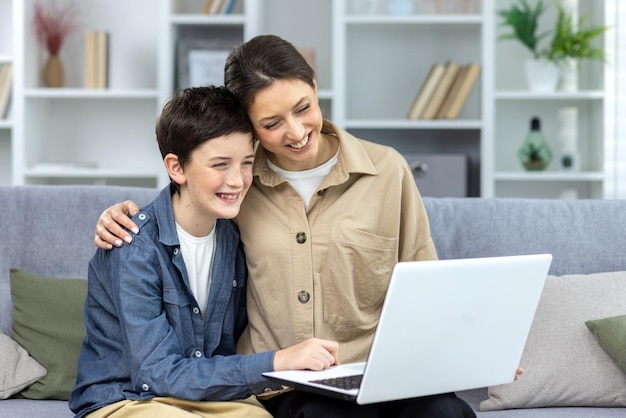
[(473, 19), (201, 19), (549, 176), (414, 124), (6, 124), (557, 95), (69, 93)]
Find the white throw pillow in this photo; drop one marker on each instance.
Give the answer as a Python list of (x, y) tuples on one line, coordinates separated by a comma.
[(563, 363), (17, 369)]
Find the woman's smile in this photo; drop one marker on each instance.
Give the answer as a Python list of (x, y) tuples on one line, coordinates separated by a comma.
[(300, 144)]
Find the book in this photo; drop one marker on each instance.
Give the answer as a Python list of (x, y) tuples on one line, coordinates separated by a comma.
[(227, 6), (102, 59), (97, 60), (471, 75), (6, 85), (440, 93), (206, 7), (216, 6), (90, 81), (452, 93), (426, 91)]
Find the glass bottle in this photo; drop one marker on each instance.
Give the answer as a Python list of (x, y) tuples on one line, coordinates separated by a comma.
[(535, 154)]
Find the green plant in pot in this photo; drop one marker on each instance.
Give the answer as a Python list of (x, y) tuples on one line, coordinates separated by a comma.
[(524, 23), (542, 74), (571, 40)]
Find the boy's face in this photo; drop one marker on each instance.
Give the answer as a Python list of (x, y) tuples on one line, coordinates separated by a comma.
[(218, 176)]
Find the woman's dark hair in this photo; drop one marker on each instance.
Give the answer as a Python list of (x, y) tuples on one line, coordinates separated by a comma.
[(257, 63), (196, 115)]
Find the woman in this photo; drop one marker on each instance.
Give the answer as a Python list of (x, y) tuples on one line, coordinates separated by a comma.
[(326, 219)]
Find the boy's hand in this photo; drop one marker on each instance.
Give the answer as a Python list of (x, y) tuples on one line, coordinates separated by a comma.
[(312, 354), (109, 231)]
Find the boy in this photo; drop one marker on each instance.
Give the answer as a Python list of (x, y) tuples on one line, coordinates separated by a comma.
[(163, 314)]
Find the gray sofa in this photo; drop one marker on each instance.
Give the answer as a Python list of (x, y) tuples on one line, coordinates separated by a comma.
[(48, 230)]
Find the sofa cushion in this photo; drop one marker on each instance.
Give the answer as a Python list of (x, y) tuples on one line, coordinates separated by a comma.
[(563, 364), (17, 368), (611, 335), (48, 323)]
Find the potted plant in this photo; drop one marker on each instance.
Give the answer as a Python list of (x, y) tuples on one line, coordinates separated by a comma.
[(541, 73), (524, 21), (573, 41), (570, 42)]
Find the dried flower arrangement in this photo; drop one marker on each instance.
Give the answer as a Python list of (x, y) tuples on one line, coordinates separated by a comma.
[(52, 24)]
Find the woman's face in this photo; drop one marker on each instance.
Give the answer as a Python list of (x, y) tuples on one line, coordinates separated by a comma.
[(288, 121)]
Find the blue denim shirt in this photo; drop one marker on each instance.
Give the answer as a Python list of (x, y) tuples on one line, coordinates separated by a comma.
[(146, 336)]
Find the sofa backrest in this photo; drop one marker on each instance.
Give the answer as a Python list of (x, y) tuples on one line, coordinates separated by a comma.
[(49, 230), (584, 236)]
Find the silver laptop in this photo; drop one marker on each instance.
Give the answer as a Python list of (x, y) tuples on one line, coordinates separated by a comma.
[(445, 326)]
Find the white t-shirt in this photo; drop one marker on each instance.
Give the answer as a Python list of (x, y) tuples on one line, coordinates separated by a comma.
[(198, 256), (306, 182)]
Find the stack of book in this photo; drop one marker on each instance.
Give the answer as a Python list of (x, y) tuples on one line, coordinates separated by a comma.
[(216, 7), (6, 85), (97, 60), (444, 91)]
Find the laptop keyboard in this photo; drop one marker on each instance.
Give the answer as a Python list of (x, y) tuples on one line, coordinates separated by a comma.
[(342, 382)]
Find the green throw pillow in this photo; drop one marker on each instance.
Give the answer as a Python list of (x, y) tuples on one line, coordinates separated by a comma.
[(48, 322), (611, 335)]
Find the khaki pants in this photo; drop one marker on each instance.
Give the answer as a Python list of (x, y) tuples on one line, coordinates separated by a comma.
[(166, 407)]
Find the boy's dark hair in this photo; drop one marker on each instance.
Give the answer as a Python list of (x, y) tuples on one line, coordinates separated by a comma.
[(195, 115)]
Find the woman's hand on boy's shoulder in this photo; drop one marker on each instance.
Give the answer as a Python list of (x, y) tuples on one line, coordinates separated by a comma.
[(111, 223)]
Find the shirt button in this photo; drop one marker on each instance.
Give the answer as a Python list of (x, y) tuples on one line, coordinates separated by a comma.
[(303, 296), (196, 310), (142, 216), (198, 354), (234, 283), (145, 387), (301, 237)]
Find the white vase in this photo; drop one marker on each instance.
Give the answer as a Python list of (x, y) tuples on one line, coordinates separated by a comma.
[(569, 74), (541, 75)]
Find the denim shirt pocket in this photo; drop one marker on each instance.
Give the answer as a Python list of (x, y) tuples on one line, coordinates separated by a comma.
[(178, 310)]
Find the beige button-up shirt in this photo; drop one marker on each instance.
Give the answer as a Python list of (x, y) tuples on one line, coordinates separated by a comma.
[(322, 271)]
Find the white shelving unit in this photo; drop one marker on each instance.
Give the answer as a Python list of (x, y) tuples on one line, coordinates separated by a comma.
[(511, 106), (369, 69), (76, 135), (380, 63)]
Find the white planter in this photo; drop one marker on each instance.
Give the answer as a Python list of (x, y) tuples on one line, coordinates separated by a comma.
[(541, 75), (569, 74)]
